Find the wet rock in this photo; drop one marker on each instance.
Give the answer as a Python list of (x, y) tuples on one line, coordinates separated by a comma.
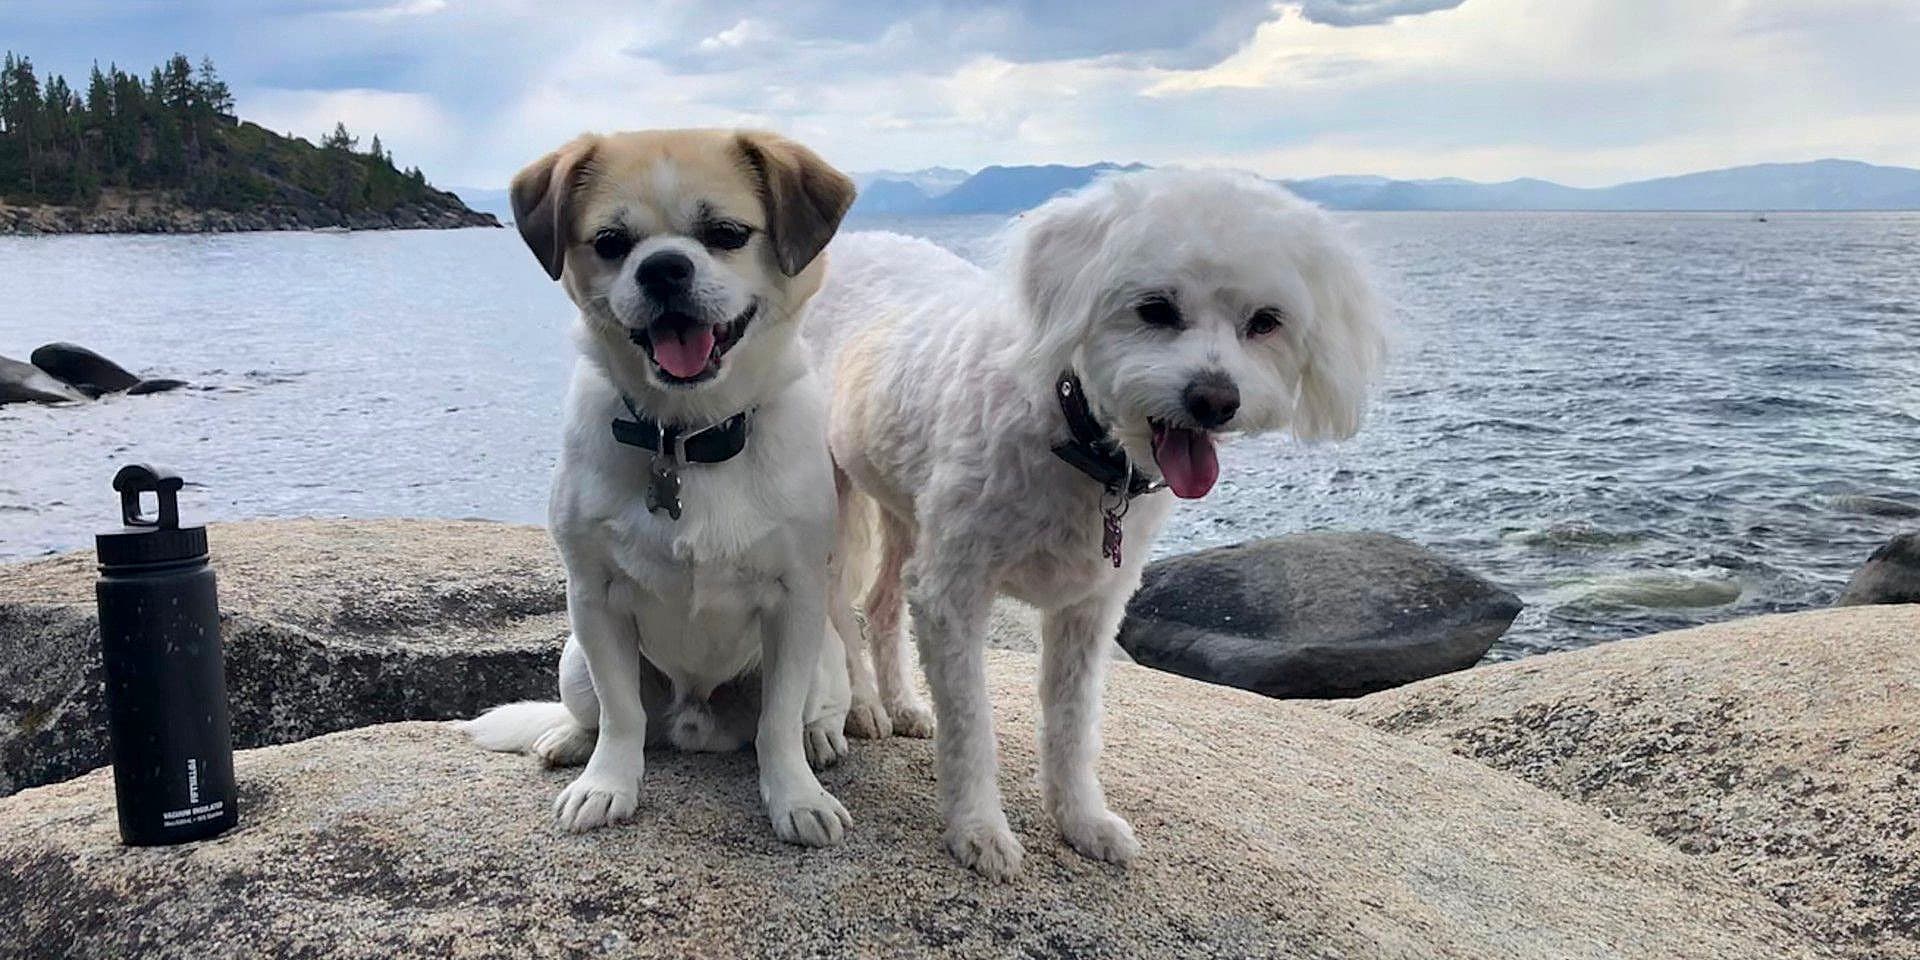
[(1314, 615), (1270, 830), (26, 383), (1891, 575), (1876, 506), (82, 369), (1785, 749), (156, 385), (328, 625)]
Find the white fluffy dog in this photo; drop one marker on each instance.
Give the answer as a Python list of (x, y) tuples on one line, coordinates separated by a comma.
[(1014, 431), (693, 502)]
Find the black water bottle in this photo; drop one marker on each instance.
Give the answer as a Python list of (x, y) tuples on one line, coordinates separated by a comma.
[(166, 679)]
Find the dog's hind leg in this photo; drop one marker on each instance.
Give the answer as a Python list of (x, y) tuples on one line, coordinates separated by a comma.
[(885, 604), (570, 743), (867, 715), (1074, 646)]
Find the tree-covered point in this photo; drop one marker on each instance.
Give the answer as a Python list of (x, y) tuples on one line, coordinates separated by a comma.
[(176, 132)]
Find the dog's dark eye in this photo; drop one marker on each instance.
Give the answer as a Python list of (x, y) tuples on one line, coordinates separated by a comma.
[(1157, 310), (611, 244), (725, 235), (1263, 322)]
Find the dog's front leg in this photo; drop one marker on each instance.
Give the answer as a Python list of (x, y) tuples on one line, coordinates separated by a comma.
[(950, 610), (1073, 667), (801, 809), (608, 791)]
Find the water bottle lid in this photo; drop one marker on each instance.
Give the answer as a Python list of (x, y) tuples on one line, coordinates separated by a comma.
[(147, 540)]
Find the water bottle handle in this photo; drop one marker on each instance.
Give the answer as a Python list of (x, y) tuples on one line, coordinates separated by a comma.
[(138, 478)]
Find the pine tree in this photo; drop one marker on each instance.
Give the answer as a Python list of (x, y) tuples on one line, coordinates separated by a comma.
[(339, 139), (214, 94)]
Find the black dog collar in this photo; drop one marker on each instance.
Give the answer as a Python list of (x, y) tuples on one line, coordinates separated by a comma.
[(715, 444), (1093, 451)]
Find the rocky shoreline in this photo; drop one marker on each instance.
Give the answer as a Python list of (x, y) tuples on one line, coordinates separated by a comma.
[(155, 218), (1744, 790)]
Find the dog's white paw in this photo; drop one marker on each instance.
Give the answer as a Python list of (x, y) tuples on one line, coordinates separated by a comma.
[(568, 745), (812, 819), (986, 845), (826, 742), (911, 719), (595, 800), (869, 721), (1102, 835)]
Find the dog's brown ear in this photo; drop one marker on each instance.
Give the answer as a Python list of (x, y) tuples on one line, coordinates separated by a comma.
[(804, 196), (541, 195)]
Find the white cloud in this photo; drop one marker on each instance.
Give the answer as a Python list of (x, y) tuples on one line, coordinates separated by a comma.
[(746, 33)]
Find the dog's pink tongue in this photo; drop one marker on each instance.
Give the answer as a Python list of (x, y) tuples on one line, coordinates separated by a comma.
[(683, 353), (1186, 460)]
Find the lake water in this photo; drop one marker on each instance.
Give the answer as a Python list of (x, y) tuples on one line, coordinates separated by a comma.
[(1633, 421)]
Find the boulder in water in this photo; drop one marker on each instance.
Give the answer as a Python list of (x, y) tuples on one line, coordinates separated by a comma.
[(1891, 575), (158, 385), (26, 383), (82, 369), (1314, 615), (1876, 506), (1650, 590)]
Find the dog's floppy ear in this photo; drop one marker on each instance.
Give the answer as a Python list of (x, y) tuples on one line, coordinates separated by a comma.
[(1054, 254), (1345, 346), (804, 196), (541, 195)]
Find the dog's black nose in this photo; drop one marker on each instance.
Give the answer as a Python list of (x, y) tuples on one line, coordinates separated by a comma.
[(665, 274), (1211, 399)]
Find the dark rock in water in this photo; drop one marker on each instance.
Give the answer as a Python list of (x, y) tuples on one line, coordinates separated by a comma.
[(1891, 575), (160, 385), (328, 625), (1314, 615), (26, 383), (1876, 506), (84, 370)]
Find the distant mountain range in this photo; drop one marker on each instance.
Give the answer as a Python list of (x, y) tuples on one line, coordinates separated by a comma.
[(1815, 185)]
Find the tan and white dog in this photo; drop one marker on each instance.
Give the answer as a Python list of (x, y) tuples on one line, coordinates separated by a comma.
[(1012, 431), (696, 574)]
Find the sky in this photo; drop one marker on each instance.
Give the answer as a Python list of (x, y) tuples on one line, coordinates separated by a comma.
[(1585, 92)]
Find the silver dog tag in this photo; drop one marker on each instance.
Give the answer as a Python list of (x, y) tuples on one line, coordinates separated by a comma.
[(663, 482)]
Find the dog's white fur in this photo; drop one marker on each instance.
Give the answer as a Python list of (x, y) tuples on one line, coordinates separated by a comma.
[(672, 619), (944, 415)]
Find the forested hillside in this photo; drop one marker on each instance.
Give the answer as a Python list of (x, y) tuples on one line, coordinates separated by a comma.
[(168, 153)]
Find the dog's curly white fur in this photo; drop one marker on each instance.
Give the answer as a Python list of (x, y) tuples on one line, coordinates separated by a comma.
[(1190, 304), (691, 255)]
